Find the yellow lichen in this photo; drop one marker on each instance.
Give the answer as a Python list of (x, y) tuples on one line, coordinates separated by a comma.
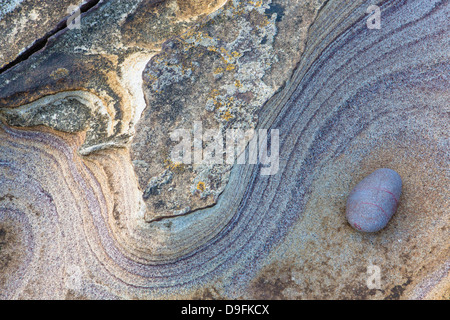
[(201, 186), (230, 67), (227, 116), (174, 166), (236, 54)]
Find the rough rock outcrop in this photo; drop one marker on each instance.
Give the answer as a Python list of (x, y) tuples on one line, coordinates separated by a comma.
[(90, 206)]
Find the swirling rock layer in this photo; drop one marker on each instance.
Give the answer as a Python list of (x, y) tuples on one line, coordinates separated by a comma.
[(74, 226)]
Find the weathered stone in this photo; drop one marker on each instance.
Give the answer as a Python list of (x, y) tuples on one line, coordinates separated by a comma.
[(374, 200), (88, 210), (23, 22), (219, 74)]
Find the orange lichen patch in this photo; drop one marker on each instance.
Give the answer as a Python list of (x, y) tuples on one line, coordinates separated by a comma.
[(188, 34), (230, 67), (167, 163), (174, 166), (262, 22), (226, 55), (201, 186), (256, 3), (191, 38), (227, 116), (218, 70), (236, 54), (214, 93)]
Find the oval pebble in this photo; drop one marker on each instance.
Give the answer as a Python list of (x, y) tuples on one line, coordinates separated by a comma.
[(373, 202)]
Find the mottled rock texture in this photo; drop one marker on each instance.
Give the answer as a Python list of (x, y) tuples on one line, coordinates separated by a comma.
[(220, 73), (24, 22), (91, 208)]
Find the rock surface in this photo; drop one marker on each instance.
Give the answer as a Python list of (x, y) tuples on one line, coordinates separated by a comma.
[(23, 22), (85, 130)]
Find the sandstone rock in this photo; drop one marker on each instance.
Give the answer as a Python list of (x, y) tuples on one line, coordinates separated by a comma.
[(89, 209)]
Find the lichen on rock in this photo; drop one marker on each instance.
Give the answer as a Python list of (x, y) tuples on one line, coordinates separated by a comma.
[(219, 73)]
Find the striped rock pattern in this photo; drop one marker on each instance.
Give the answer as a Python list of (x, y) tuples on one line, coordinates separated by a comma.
[(73, 226)]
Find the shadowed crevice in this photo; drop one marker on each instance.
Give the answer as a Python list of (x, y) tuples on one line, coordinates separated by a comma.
[(42, 42)]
